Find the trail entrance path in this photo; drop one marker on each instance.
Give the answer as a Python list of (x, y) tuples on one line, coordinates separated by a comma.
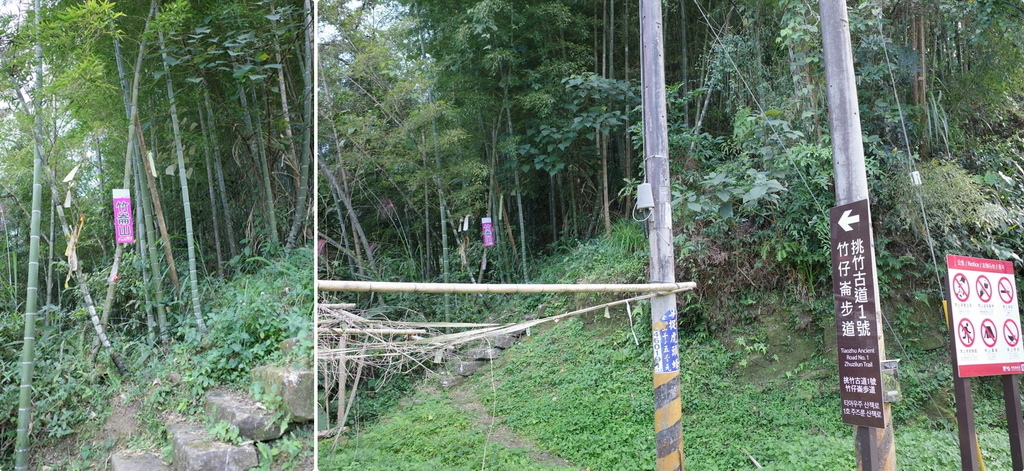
[(466, 400), (498, 433)]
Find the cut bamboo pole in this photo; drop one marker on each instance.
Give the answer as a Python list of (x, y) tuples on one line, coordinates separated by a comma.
[(465, 288)]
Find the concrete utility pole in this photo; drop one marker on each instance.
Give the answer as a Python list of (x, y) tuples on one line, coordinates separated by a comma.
[(668, 427), (874, 446)]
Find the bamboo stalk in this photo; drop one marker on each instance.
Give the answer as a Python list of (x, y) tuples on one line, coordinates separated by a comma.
[(21, 444), (350, 330), (465, 288), (183, 181)]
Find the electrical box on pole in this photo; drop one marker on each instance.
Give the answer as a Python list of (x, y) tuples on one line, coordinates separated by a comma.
[(855, 283)]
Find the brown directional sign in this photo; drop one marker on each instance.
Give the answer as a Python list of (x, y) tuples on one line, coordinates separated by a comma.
[(858, 329)]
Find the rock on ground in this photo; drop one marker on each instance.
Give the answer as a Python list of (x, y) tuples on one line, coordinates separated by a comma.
[(195, 450), (252, 419)]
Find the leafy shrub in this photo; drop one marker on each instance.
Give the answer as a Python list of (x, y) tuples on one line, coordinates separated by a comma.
[(248, 320)]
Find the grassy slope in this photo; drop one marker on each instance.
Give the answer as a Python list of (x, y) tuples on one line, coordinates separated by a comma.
[(582, 390)]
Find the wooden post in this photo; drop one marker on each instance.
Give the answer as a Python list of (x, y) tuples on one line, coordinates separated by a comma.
[(668, 429), (1014, 421), (874, 446), (970, 460)]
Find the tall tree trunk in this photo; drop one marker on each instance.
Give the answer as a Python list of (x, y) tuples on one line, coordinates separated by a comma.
[(158, 209), (155, 280), (602, 146), (207, 142), (685, 63), (259, 152), (218, 167), (142, 245), (921, 84), (302, 193), (49, 262), (32, 289), (183, 180)]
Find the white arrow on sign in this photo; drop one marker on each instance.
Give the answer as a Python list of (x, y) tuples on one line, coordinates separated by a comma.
[(846, 219)]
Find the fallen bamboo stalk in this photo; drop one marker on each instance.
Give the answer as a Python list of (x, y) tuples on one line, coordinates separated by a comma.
[(342, 306), (469, 288), (370, 331)]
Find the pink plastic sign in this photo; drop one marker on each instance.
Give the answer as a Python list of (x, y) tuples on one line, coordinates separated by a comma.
[(488, 232), (124, 232)]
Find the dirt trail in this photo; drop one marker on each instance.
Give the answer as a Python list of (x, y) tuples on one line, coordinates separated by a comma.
[(499, 433)]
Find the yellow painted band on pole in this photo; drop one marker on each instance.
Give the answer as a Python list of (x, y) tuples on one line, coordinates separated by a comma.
[(662, 378), (673, 461), (977, 446), (945, 310), (670, 414)]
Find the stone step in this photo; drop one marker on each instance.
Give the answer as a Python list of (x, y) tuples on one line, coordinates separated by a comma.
[(195, 450), (504, 341), (252, 419), (466, 368), (128, 460), (482, 354), (295, 385)]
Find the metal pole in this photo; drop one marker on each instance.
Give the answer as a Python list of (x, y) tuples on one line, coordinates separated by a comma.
[(668, 429), (874, 446)]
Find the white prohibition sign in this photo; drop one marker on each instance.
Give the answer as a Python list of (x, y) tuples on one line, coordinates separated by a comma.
[(988, 333), (984, 289), (1005, 289), (965, 332), (1011, 332), (961, 287)]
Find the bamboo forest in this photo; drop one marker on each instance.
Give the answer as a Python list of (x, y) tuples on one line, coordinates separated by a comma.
[(462, 234), (156, 207), (491, 142)]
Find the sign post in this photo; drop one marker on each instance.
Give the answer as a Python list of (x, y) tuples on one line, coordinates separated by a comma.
[(874, 445), (984, 324), (858, 325)]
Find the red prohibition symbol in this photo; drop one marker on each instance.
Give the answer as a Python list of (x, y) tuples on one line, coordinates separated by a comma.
[(988, 333), (1005, 289), (1011, 331), (965, 332), (961, 287), (984, 289)]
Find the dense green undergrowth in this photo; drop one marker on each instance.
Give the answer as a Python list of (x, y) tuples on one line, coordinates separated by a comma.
[(84, 411), (582, 390)]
